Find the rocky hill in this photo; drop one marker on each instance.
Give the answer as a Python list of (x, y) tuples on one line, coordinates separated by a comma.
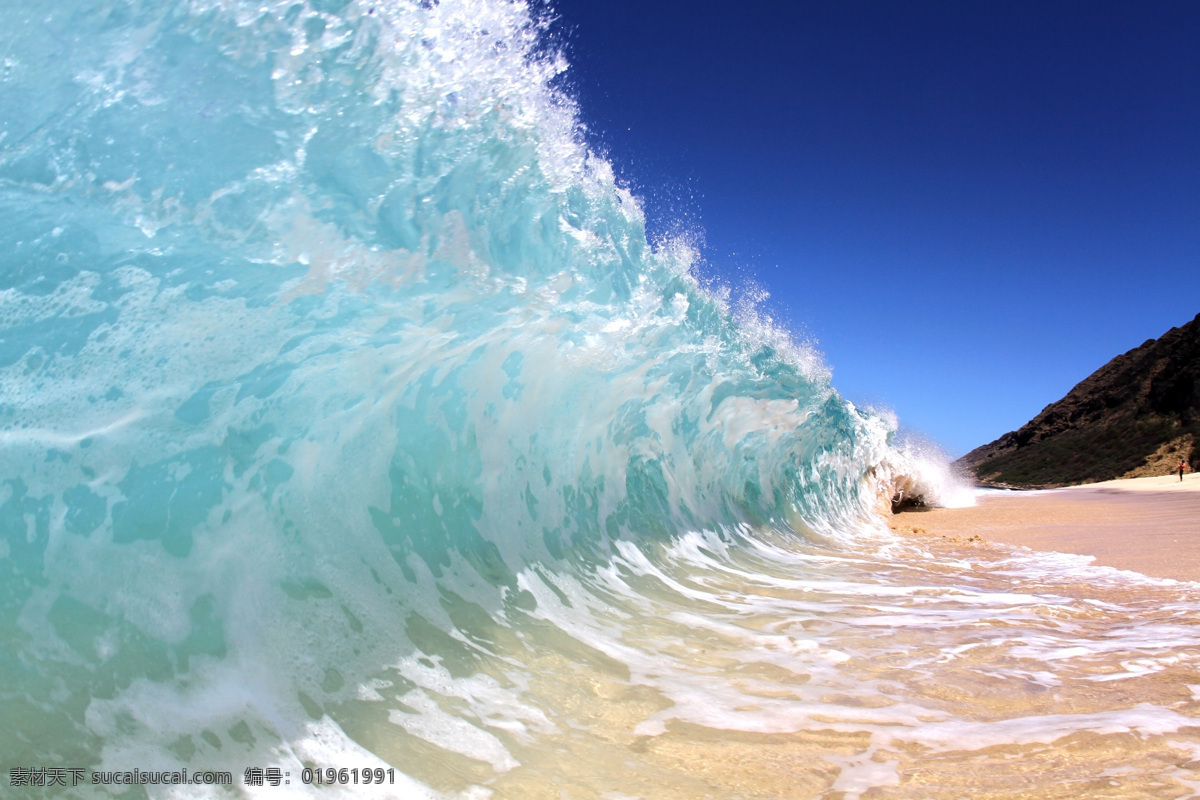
[(1137, 415)]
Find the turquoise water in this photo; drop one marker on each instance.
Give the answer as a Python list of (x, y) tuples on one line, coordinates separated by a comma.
[(350, 419)]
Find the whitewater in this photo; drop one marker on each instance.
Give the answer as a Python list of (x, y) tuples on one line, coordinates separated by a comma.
[(356, 442)]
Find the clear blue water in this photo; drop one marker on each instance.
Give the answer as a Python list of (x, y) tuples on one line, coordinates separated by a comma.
[(345, 402)]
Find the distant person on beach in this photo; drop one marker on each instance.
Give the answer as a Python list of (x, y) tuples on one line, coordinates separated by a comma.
[(1182, 467)]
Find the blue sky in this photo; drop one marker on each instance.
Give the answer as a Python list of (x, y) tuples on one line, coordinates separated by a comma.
[(970, 206)]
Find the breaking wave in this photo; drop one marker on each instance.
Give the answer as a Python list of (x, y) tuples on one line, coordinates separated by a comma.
[(343, 397)]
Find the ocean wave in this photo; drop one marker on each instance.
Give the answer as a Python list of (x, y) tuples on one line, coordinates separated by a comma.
[(328, 348)]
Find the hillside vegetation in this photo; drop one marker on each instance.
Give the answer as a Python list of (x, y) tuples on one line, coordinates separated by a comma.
[(1139, 414)]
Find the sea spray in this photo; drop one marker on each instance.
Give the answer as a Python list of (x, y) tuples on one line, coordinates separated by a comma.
[(350, 420)]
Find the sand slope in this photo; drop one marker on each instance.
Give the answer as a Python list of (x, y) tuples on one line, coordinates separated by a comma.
[(1149, 525)]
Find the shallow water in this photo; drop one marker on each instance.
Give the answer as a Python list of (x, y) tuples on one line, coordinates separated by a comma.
[(770, 670), (350, 420)]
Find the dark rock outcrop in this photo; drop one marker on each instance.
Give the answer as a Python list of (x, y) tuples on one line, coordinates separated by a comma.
[(1139, 409)]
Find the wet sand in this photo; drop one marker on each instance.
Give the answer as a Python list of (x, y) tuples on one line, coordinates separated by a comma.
[(1148, 525)]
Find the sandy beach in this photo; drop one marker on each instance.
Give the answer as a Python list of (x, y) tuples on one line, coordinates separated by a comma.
[(1148, 525)]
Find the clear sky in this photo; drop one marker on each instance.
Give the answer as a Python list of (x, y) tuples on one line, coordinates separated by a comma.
[(970, 206)]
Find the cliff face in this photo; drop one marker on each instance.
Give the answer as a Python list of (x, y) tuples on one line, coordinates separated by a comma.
[(1138, 414)]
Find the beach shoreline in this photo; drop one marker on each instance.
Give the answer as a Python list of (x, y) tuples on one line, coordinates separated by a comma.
[(1147, 525)]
